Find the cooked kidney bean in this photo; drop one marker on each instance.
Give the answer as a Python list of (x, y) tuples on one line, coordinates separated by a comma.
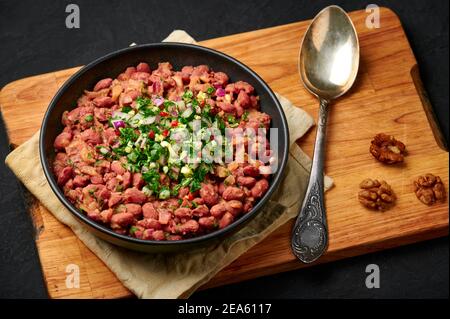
[(134, 195), (103, 84), (115, 199), (219, 209), (100, 182), (191, 226), (65, 175), (106, 216), (220, 79), (164, 216), (234, 207), (201, 210), (102, 114), (149, 211), (226, 220), (251, 171), (183, 212), (96, 179), (80, 181), (246, 181), (134, 209), (232, 192), (103, 101), (248, 205), (149, 223), (126, 179), (260, 188), (207, 222), (158, 235), (91, 137), (138, 182), (62, 140), (143, 67), (88, 170), (227, 107), (121, 220), (208, 194)]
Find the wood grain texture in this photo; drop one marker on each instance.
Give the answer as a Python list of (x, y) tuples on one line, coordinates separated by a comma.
[(384, 99)]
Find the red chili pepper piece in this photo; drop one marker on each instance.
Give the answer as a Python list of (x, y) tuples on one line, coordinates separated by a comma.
[(165, 132), (190, 196), (162, 113), (151, 134), (174, 123)]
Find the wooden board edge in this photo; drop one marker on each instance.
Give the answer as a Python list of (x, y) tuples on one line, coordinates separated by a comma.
[(32, 208), (13, 83), (355, 251), (428, 108)]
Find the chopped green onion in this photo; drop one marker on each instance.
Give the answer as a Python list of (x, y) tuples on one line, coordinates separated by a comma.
[(210, 90), (126, 109), (164, 194)]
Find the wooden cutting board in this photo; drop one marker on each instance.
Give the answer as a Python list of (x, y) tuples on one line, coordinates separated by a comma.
[(388, 97)]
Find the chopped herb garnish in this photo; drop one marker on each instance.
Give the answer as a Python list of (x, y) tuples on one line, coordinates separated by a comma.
[(210, 90), (126, 109), (146, 145), (220, 124), (244, 116), (89, 118), (142, 102), (195, 186), (188, 95), (151, 177), (133, 230), (231, 119)]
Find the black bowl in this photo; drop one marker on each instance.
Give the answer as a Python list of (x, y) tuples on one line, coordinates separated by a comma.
[(179, 55)]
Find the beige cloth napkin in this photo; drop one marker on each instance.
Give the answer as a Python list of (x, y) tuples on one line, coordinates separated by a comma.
[(178, 275)]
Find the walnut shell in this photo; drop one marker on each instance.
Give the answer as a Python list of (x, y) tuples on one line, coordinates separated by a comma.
[(376, 195), (429, 189), (387, 149)]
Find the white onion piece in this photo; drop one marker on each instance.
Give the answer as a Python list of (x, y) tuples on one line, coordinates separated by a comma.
[(144, 141), (148, 120), (265, 170), (134, 121), (188, 112), (121, 115), (181, 105)]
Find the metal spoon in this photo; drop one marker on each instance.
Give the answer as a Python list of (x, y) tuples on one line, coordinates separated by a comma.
[(328, 66)]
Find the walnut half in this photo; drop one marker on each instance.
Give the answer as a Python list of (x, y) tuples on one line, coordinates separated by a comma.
[(376, 195), (429, 189), (387, 149)]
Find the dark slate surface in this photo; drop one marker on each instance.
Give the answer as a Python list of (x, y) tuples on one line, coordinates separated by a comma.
[(34, 40)]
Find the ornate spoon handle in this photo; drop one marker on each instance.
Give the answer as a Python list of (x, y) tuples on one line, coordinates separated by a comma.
[(310, 236)]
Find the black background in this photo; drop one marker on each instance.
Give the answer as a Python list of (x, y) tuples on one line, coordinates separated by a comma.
[(34, 40)]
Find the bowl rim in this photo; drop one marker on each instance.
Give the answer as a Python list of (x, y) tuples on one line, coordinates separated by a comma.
[(194, 240)]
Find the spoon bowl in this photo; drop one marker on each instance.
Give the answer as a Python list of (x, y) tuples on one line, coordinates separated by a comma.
[(328, 65), (329, 55)]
